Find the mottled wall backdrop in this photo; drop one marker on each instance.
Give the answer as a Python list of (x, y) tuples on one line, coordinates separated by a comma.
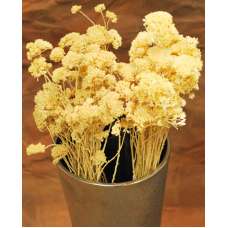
[(43, 201)]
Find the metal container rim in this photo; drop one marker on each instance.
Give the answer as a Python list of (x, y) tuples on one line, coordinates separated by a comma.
[(126, 183)]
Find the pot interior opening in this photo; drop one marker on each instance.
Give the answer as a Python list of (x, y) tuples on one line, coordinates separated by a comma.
[(124, 169)]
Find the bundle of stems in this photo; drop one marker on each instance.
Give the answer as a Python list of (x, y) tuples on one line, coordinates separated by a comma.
[(146, 148)]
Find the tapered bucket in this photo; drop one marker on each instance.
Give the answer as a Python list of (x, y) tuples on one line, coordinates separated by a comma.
[(132, 203)]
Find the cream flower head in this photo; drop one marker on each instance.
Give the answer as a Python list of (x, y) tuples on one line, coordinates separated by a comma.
[(75, 9), (57, 54), (39, 67), (111, 16), (160, 24), (99, 8), (35, 149)]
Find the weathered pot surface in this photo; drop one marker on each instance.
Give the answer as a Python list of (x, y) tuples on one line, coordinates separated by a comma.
[(131, 203)]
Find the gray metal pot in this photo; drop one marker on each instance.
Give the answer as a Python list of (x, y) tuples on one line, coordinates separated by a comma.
[(133, 203)]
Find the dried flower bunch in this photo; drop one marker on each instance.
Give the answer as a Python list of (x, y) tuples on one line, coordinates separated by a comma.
[(88, 95)]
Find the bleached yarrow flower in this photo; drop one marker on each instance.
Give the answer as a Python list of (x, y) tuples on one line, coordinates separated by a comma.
[(99, 8), (39, 67), (60, 74), (72, 60), (98, 34), (48, 103), (35, 149), (170, 54), (141, 44), (116, 39), (58, 152), (68, 39), (57, 54), (37, 47), (155, 102), (99, 157), (75, 9), (111, 16), (116, 129), (161, 25)]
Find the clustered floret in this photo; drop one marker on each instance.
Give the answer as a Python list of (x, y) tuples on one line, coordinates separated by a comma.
[(163, 50)]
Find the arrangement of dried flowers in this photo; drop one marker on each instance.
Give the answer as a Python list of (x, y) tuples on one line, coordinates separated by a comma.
[(87, 95)]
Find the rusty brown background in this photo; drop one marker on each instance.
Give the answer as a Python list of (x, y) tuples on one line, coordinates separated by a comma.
[(43, 200)]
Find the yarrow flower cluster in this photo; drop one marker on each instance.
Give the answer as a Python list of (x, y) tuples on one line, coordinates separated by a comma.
[(99, 8), (75, 9), (89, 95), (163, 50)]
